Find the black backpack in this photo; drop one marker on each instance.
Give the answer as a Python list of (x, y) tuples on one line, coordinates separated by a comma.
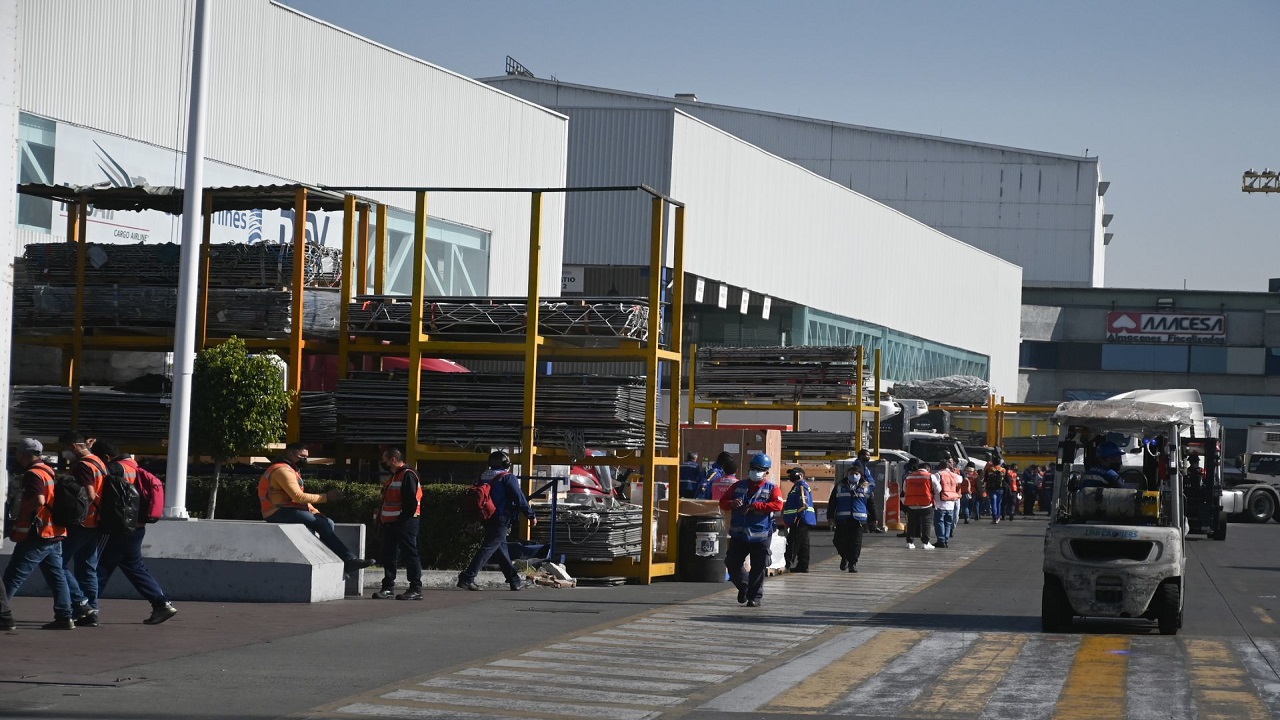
[(70, 502), (120, 504)]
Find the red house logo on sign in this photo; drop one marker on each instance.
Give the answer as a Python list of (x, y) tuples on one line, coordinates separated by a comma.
[(1145, 327)]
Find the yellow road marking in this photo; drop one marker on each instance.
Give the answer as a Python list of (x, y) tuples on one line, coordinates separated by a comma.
[(1220, 685), (1095, 685), (1263, 616), (825, 687), (967, 685)]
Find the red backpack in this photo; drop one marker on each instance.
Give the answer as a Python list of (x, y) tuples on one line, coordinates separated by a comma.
[(479, 500), (151, 488)]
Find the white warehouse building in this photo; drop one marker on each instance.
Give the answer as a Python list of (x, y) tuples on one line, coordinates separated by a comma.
[(777, 254), (1041, 211)]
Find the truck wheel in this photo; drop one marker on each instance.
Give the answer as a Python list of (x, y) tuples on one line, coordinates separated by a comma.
[(1055, 609), (1220, 527), (1260, 506), (1168, 601)]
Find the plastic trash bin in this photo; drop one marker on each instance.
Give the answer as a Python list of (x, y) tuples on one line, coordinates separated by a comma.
[(702, 548)]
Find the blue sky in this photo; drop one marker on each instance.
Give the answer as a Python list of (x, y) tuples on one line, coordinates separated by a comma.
[(1176, 98)]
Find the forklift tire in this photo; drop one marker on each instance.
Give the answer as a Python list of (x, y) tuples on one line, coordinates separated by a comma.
[(1055, 609), (1260, 506), (1220, 527), (1169, 608)]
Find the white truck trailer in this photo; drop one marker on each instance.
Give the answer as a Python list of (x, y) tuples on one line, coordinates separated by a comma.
[(1260, 483)]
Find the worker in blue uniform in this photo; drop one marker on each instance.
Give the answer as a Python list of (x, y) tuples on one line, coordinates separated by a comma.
[(798, 516), (751, 503), (691, 476), (847, 510), (1103, 472)]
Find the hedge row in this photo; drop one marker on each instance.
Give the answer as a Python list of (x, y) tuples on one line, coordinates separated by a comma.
[(447, 539)]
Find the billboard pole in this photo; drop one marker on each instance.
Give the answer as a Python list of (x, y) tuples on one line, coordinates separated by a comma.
[(189, 273)]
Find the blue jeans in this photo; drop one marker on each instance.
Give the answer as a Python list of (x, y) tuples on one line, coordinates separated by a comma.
[(318, 524), (996, 508), (47, 555), (944, 521), (495, 543), (80, 553), (125, 552), (750, 583)]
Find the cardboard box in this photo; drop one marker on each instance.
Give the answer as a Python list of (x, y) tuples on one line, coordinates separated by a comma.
[(740, 443)]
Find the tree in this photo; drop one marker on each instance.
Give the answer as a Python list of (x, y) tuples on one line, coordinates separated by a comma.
[(238, 405)]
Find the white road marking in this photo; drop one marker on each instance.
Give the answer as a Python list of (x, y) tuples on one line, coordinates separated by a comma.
[(584, 694), (1034, 695), (907, 677), (1158, 685), (522, 705)]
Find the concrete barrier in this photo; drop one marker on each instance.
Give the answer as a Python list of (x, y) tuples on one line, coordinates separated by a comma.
[(233, 561)]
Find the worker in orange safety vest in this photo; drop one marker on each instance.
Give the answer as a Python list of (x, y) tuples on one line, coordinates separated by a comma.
[(397, 521), (917, 497)]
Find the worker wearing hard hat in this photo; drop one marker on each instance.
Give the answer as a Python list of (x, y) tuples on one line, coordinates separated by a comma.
[(798, 516), (751, 503), (1103, 473)]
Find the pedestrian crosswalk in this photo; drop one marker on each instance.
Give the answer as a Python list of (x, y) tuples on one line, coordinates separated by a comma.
[(814, 648)]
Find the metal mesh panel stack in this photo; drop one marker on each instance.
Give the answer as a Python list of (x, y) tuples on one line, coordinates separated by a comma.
[(483, 410), (586, 533), (149, 308), (260, 265), (319, 413), (387, 317), (780, 374), (45, 411)]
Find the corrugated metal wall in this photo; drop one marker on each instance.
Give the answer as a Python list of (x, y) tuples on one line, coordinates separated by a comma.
[(1037, 210), (298, 98), (764, 223)]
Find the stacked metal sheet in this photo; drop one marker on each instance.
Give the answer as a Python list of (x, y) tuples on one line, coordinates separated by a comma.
[(260, 265), (814, 441), (45, 411), (319, 416), (482, 410), (591, 534), (388, 317), (1030, 445), (239, 311), (780, 374)]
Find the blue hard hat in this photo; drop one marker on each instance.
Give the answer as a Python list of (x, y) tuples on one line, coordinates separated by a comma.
[(760, 461), (1109, 450)]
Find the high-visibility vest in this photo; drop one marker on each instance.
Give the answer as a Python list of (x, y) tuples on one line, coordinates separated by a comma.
[(745, 523), (971, 483), (721, 484), (918, 489), (799, 508), (391, 499), (265, 503), (950, 485), (99, 476), (851, 501), (1013, 480), (42, 515)]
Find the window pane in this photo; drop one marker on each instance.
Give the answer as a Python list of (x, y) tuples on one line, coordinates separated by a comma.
[(1273, 361), (1145, 358), (1246, 361), (1208, 360)]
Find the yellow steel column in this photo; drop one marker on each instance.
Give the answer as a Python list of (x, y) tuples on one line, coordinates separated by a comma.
[(361, 276), (412, 444), (656, 263), (675, 342), (73, 235), (876, 429), (859, 362), (202, 277), (77, 333), (693, 385), (294, 432), (349, 282), (380, 251), (532, 336), (993, 434)]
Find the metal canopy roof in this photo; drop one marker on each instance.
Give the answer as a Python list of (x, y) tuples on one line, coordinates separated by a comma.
[(168, 199)]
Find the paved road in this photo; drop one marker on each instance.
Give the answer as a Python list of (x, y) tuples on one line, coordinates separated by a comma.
[(917, 634)]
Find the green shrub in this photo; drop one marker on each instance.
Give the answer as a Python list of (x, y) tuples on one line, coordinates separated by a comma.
[(447, 539)]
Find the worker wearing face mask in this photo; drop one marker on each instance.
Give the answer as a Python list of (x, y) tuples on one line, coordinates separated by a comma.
[(282, 500), (751, 504), (397, 519)]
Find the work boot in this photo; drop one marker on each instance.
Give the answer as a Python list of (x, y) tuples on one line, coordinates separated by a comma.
[(853, 568), (755, 603), (844, 564), (89, 619), (355, 564), (160, 613), (384, 594), (467, 584), (8, 625), (62, 624), (410, 594), (742, 597)]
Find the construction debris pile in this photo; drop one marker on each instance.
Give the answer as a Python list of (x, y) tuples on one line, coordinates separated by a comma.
[(388, 318), (591, 533), (816, 441), (134, 287), (780, 374), (950, 390), (45, 411), (478, 411)]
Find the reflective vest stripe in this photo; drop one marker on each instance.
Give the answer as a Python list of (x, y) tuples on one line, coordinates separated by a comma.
[(392, 503), (99, 475), (757, 527), (264, 491), (48, 531)]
